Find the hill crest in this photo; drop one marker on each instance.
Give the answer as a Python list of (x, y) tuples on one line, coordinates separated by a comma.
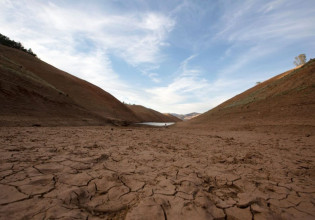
[(285, 99), (34, 92), (146, 114)]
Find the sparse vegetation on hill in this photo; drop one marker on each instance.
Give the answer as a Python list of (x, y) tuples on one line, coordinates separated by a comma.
[(300, 60), (286, 99), (4, 40)]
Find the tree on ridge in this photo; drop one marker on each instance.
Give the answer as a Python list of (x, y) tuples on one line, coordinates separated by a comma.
[(300, 60)]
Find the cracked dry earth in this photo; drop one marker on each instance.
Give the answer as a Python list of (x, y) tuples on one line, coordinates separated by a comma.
[(154, 173)]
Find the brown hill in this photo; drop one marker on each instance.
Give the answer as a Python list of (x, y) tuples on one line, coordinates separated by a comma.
[(149, 115), (286, 99), (172, 117), (34, 92)]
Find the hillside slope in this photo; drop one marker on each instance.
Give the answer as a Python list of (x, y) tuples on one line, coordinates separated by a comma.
[(172, 117), (34, 91), (286, 99), (149, 115)]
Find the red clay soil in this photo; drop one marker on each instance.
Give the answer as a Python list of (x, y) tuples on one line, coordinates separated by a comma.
[(155, 174), (32, 91), (149, 115), (284, 100)]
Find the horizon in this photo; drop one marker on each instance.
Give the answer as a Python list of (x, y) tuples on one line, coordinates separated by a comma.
[(174, 57)]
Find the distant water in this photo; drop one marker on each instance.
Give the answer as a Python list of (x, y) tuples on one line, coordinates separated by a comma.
[(157, 124)]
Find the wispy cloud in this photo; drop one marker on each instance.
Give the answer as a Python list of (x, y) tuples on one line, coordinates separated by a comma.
[(254, 30), (58, 34), (228, 45), (274, 21), (190, 90)]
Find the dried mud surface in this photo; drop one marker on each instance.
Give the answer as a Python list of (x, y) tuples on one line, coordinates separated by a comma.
[(160, 173)]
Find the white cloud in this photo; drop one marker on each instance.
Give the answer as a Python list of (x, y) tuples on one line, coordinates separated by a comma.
[(256, 21), (271, 5), (190, 91), (188, 71), (82, 42), (183, 86), (135, 37), (256, 30), (154, 77), (250, 55), (185, 95), (52, 31)]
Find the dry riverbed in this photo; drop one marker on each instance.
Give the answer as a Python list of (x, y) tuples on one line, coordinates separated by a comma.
[(155, 173)]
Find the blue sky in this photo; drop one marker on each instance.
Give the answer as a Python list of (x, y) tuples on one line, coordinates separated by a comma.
[(172, 56)]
